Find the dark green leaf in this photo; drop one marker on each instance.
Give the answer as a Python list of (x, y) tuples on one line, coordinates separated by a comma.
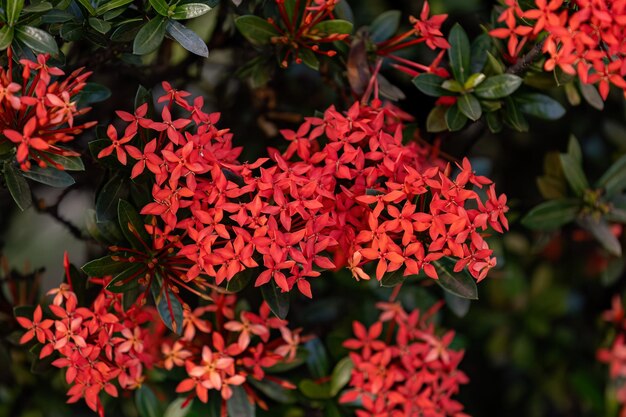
[(341, 375), (87, 5), (111, 5), (391, 279), (6, 37), (13, 10), (37, 39), (128, 279), (601, 230), (99, 25), (150, 36), (470, 107), (430, 84), (317, 360), (147, 403), (94, 93), (616, 215), (459, 306), (459, 53), (541, 106), (49, 176), (514, 117), (258, 31), (57, 16), (335, 26), (187, 38), (274, 390), (309, 59), (239, 281), (38, 7), (459, 283), (106, 232), (314, 390), (239, 405), (455, 119), (591, 96), (276, 299), (128, 218), (385, 25), (494, 122), (160, 6), (143, 95), (498, 86), (480, 47), (190, 10), (573, 149), (109, 196), (552, 214), (69, 163), (614, 179), (72, 31), (436, 120), (18, 186), (103, 267), (126, 32), (574, 174), (168, 306)]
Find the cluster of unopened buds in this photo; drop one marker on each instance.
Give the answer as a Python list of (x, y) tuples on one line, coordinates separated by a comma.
[(37, 111), (346, 191), (405, 370), (104, 346), (615, 354), (582, 37)]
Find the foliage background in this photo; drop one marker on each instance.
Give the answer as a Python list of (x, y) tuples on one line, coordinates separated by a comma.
[(531, 338)]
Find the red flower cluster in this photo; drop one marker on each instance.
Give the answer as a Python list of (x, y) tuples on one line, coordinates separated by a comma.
[(615, 355), (97, 345), (301, 33), (425, 29), (346, 185), (412, 373), (584, 37), (228, 351), (37, 114)]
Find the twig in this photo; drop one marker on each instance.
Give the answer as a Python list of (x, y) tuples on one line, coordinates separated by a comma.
[(53, 210), (523, 63)]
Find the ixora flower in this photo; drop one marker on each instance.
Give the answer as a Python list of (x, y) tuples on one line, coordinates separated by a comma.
[(37, 111), (615, 354), (584, 38), (410, 372), (346, 190), (108, 345)]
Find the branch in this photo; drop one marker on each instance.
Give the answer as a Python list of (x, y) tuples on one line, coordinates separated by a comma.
[(523, 63), (53, 210)]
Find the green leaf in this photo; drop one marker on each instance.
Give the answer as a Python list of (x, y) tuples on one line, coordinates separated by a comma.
[(614, 179), (479, 49), (276, 299), (317, 360), (309, 59), (459, 53), (128, 279), (591, 96), (258, 31), (150, 36), (494, 122), (514, 117), (498, 86), (109, 196), (103, 267), (99, 25), (469, 106), (273, 390), (455, 120), (239, 281), (57, 16), (37, 39), (616, 215), (341, 375), (430, 84), (49, 176), (147, 403), (436, 120), (178, 408), (453, 86), (72, 31), (107, 6), (335, 26), (391, 279), (239, 405), (385, 25), (314, 390), (187, 38), (474, 80), (13, 10), (128, 218), (601, 230), (574, 174), (69, 163), (160, 6), (573, 149), (94, 93), (552, 214), (18, 186), (459, 306), (6, 37), (87, 5), (541, 106), (190, 11), (143, 95), (495, 64), (168, 306), (459, 283), (38, 7)]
